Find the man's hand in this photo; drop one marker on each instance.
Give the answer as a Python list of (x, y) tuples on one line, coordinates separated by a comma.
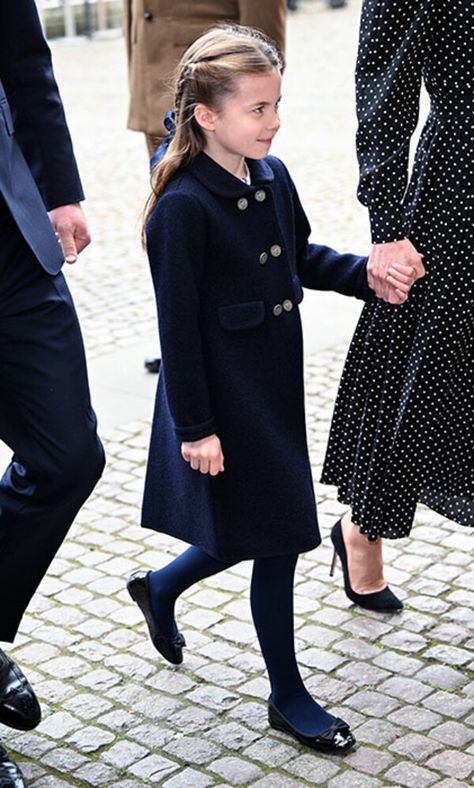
[(400, 256), (204, 455), (71, 230)]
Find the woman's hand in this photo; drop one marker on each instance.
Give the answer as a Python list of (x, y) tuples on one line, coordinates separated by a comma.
[(392, 269), (204, 455)]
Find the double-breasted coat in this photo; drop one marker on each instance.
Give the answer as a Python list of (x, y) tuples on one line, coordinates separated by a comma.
[(228, 262), (157, 32)]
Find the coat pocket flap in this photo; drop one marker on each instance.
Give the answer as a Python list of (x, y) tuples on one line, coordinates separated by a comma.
[(237, 317)]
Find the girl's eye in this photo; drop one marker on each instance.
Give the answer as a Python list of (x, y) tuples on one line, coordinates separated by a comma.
[(258, 110)]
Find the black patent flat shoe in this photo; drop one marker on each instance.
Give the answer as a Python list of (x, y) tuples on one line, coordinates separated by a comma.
[(381, 601), (170, 648), (19, 707), (335, 740), (10, 773)]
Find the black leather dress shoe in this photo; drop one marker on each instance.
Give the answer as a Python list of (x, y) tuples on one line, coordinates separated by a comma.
[(335, 740), (19, 707), (10, 774), (170, 648)]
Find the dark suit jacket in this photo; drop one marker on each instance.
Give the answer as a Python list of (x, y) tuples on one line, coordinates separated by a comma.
[(38, 171)]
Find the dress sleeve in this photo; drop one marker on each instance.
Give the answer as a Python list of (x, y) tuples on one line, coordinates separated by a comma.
[(176, 245), (388, 83)]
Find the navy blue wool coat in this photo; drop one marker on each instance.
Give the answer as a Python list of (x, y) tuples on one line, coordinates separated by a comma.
[(228, 262)]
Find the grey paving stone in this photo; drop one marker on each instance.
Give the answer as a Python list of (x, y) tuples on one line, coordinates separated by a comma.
[(352, 779), (313, 768), (153, 768), (378, 732), (59, 724), (320, 658), (213, 697), (410, 775), (187, 778), (454, 734), (374, 703), (123, 754), (451, 783), (415, 746), (454, 634), (236, 770), (232, 735), (90, 738), (398, 663), (30, 744), (331, 616), (192, 749), (270, 751), (357, 649), (192, 719), (327, 689), (453, 763), (448, 704), (222, 675), (415, 718), (53, 691), (96, 774), (362, 674), (441, 676), (405, 688), (404, 641), (369, 760), (449, 655), (64, 759), (367, 628), (51, 782), (86, 705), (429, 604), (255, 715)]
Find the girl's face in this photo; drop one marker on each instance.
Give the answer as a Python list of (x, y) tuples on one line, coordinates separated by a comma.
[(245, 125)]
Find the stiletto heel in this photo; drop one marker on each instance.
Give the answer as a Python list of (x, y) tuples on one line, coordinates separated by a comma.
[(384, 600), (333, 563)]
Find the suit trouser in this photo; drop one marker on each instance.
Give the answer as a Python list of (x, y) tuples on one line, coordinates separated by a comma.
[(46, 419)]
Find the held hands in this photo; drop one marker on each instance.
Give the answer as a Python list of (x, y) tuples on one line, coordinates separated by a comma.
[(71, 230), (392, 270), (204, 455)]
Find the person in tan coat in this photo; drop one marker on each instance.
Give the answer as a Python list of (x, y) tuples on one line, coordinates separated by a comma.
[(157, 32)]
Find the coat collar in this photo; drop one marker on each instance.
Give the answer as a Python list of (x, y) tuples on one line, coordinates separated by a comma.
[(222, 182)]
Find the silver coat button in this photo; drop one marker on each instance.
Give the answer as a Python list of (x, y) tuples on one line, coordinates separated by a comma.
[(260, 195), (242, 204), (263, 258), (287, 305), (275, 250), (277, 310)]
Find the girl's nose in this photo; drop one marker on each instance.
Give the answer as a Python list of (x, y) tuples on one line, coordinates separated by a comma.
[(275, 122)]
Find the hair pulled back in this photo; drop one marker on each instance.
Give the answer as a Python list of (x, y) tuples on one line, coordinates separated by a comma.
[(207, 74)]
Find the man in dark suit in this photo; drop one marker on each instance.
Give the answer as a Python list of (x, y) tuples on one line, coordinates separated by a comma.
[(45, 413)]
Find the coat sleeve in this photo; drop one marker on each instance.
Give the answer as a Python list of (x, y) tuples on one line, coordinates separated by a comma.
[(388, 83), (269, 16), (40, 125), (176, 244), (322, 268)]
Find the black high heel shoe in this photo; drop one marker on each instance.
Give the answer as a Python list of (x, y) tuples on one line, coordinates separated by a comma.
[(170, 648), (335, 740), (384, 600)]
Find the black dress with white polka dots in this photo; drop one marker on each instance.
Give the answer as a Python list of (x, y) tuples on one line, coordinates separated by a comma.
[(402, 430)]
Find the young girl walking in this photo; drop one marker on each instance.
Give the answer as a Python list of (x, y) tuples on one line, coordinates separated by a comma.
[(228, 469)]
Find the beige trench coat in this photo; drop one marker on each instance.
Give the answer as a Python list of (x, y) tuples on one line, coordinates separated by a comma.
[(158, 31)]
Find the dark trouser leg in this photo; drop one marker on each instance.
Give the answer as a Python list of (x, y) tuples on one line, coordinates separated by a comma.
[(271, 597), (45, 417), (168, 583)]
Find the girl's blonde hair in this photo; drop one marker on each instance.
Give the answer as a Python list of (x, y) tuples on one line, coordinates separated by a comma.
[(207, 74)]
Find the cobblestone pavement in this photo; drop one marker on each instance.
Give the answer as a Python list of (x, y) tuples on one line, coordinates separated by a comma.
[(114, 713)]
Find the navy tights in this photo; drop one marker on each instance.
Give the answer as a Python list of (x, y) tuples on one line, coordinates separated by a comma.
[(271, 597)]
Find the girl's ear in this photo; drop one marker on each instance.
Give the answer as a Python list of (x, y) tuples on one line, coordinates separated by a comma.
[(205, 116)]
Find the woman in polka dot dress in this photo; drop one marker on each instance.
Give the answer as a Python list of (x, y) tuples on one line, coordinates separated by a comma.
[(402, 430)]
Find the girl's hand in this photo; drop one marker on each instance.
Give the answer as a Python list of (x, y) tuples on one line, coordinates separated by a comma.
[(401, 277), (204, 455), (385, 256)]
